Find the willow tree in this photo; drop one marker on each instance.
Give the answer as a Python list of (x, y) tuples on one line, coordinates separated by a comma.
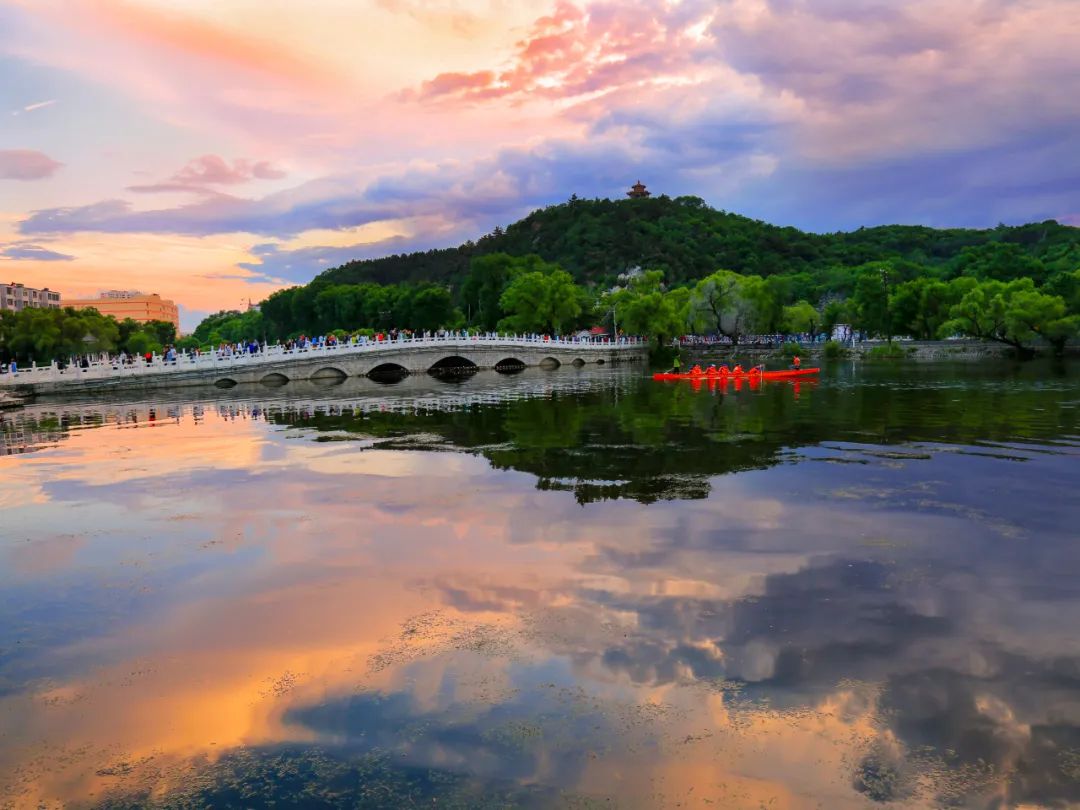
[(728, 303)]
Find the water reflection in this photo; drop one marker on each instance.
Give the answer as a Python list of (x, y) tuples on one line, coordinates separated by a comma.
[(867, 597)]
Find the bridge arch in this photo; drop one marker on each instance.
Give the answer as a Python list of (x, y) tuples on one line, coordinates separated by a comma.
[(329, 375), (274, 379), (578, 362), (550, 362), (388, 373), (225, 382), (453, 366), (510, 365)]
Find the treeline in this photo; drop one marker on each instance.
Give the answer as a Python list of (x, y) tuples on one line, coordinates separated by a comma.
[(514, 294), (527, 294), (877, 300), (39, 335)]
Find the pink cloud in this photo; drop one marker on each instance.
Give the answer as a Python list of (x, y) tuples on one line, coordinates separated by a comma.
[(576, 51), (212, 170), (190, 71), (453, 83), (26, 164), (263, 170)]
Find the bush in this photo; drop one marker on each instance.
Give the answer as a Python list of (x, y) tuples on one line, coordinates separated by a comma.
[(790, 349), (835, 350), (889, 351)]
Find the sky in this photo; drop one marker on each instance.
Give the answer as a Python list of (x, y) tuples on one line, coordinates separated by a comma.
[(214, 151)]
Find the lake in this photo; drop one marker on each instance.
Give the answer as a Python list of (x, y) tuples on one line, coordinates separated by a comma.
[(571, 588)]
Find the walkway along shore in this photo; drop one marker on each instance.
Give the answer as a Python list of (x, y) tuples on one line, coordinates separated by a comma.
[(921, 350)]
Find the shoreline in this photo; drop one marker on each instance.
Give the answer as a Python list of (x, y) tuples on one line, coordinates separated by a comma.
[(919, 350), (10, 400)]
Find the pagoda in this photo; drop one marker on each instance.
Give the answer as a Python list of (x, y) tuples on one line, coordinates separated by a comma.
[(637, 191)]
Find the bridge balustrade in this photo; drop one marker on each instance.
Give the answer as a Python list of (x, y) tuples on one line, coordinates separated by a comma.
[(267, 354)]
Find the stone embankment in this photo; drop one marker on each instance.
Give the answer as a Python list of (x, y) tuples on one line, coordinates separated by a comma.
[(9, 399), (929, 350)]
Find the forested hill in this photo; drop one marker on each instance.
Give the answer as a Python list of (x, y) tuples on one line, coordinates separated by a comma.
[(596, 240)]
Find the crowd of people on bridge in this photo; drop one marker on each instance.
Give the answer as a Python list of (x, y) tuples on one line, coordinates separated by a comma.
[(171, 355)]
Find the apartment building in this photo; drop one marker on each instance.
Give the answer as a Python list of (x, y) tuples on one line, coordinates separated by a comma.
[(140, 307), (15, 297)]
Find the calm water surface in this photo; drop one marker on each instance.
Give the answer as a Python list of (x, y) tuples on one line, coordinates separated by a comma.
[(557, 589)]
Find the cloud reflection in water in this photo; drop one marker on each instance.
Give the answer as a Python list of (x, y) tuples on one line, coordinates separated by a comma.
[(385, 612)]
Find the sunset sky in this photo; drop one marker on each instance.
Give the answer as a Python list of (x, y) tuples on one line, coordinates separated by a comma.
[(216, 150)]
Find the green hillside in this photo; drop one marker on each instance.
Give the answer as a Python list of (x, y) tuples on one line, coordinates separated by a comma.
[(596, 240)]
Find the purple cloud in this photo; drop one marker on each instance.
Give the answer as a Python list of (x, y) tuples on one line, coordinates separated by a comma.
[(26, 164), (490, 190), (275, 264), (27, 251)]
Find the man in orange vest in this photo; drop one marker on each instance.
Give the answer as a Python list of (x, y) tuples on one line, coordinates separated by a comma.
[(796, 363)]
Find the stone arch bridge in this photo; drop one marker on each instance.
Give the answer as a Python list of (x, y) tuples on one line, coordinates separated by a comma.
[(275, 365)]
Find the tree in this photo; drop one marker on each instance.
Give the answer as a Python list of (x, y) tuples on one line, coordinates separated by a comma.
[(729, 303), (163, 332), (645, 308), (835, 312), (998, 261), (432, 308), (484, 286), (1015, 314), (1030, 313), (541, 301), (870, 300), (1067, 285), (139, 343), (277, 313), (802, 317), (38, 335), (980, 313), (772, 298), (920, 307)]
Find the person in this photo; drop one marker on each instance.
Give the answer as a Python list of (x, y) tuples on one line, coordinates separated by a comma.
[(796, 363), (738, 369), (724, 369), (676, 366), (696, 370), (711, 370)]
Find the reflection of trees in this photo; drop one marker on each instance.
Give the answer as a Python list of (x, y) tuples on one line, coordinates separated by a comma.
[(656, 442)]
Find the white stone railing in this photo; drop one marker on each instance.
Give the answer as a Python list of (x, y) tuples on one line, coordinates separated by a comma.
[(218, 360)]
